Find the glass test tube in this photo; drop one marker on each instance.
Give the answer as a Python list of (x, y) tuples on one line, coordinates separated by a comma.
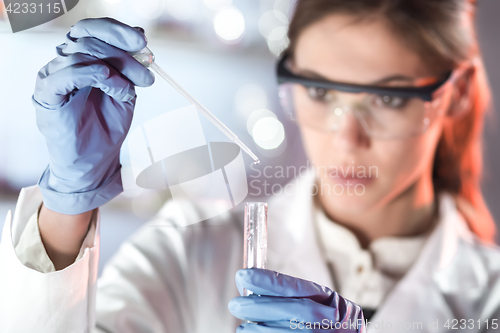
[(255, 238)]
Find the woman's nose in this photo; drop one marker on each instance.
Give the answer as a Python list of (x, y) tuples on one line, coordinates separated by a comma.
[(347, 131)]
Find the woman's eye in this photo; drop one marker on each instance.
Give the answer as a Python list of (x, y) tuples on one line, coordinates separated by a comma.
[(393, 102), (318, 94)]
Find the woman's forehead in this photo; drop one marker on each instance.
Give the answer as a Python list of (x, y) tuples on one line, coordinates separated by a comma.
[(360, 52)]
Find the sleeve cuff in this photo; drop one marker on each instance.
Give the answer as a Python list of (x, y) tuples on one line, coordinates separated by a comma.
[(79, 202)]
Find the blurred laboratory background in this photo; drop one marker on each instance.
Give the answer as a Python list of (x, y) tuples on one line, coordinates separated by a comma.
[(223, 52)]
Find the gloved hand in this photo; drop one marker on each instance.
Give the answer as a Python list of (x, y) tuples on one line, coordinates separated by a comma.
[(288, 304), (84, 101)]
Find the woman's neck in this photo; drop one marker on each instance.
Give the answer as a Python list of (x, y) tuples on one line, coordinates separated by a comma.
[(410, 213)]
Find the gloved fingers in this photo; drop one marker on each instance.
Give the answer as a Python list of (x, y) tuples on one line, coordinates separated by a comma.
[(53, 89), (271, 283), (112, 32), (281, 309), (116, 87), (59, 63), (120, 60)]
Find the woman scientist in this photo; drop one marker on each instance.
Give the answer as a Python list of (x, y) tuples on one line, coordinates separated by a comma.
[(398, 86)]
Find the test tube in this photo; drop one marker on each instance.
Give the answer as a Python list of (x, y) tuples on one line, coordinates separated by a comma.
[(255, 238)]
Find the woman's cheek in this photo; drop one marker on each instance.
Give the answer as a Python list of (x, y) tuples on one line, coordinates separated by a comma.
[(405, 161), (316, 147), (396, 161)]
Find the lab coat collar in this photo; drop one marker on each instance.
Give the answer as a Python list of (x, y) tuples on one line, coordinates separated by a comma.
[(448, 266), (448, 279)]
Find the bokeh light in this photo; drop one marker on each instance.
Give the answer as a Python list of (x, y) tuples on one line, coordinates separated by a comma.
[(268, 133), (273, 25), (270, 20), (248, 98), (278, 40), (284, 6), (255, 116), (229, 24)]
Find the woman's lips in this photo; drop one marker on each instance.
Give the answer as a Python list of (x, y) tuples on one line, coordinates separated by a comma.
[(345, 177)]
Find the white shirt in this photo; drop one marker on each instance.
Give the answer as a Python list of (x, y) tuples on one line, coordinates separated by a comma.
[(364, 276)]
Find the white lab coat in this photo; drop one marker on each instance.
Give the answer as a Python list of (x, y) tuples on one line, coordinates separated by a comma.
[(180, 280)]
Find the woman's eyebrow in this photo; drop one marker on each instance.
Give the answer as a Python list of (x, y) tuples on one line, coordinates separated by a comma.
[(313, 75)]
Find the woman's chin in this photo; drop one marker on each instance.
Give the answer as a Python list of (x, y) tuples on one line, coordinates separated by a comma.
[(349, 196)]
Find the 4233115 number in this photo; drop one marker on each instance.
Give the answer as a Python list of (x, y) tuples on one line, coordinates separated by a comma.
[(32, 8), (461, 324)]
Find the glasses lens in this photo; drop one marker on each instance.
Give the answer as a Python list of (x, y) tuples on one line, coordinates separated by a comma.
[(381, 116)]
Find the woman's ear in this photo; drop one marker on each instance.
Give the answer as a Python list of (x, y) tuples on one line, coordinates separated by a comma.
[(462, 93)]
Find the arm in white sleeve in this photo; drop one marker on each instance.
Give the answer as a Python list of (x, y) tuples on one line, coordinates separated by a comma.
[(35, 301), (30, 249)]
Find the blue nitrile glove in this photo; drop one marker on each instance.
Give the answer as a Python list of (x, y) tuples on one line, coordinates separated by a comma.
[(288, 304), (84, 101)]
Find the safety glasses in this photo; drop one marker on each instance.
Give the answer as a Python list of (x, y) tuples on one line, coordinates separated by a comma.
[(383, 112)]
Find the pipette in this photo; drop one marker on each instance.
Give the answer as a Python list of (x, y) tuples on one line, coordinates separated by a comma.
[(147, 59)]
